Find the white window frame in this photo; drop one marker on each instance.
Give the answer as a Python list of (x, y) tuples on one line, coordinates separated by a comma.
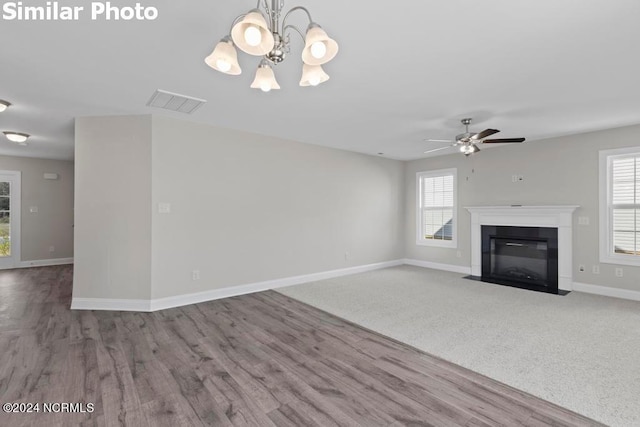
[(420, 240), (607, 254)]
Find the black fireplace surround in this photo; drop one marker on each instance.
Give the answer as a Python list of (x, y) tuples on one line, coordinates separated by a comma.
[(523, 257)]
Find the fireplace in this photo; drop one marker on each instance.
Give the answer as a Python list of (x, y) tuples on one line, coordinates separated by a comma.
[(524, 257), (559, 218)]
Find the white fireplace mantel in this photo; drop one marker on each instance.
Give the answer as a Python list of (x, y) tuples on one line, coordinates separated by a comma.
[(559, 217)]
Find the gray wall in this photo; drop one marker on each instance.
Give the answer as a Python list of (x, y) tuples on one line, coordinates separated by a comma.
[(245, 208), (52, 225), (559, 171), (113, 208)]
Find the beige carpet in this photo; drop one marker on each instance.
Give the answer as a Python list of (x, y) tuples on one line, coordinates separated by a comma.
[(580, 351)]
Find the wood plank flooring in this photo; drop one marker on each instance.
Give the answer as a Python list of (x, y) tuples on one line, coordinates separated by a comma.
[(253, 360)]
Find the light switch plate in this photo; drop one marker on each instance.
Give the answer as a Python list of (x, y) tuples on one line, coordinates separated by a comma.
[(583, 220), (33, 209), (164, 208)]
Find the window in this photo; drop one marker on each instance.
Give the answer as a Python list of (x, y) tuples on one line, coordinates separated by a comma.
[(620, 206), (436, 216)]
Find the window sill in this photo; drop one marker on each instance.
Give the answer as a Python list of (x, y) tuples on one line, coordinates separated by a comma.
[(632, 260), (451, 244)]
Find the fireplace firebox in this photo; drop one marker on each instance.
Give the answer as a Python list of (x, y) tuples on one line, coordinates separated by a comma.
[(523, 257)]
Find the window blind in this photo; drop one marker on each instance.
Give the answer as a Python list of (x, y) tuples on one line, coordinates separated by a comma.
[(624, 204), (437, 207)]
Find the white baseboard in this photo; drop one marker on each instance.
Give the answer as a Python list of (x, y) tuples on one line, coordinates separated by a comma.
[(214, 294), (437, 266), (44, 262), (606, 291), (110, 304)]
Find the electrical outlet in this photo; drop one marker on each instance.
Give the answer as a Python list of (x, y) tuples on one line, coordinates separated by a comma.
[(459, 254), (583, 220), (164, 208), (514, 178), (619, 272), (581, 268), (346, 256), (52, 248), (595, 269), (195, 275)]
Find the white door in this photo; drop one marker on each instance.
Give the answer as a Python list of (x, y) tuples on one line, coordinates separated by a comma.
[(9, 219)]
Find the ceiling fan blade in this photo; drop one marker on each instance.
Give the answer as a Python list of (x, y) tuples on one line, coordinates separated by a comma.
[(485, 133), (438, 140), (503, 141), (437, 149)]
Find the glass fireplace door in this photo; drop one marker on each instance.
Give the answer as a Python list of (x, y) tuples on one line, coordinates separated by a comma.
[(520, 259)]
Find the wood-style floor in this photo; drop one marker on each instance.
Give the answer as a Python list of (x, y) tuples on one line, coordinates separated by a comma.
[(254, 360)]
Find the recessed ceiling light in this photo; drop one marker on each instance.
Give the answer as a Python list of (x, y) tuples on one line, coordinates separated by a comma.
[(17, 137), (4, 105)]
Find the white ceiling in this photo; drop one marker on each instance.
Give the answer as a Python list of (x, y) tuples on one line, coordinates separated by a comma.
[(406, 71)]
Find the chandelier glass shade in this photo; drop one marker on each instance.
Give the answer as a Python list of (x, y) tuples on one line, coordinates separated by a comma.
[(265, 79), (319, 48), (224, 58), (252, 34), (264, 32), (313, 75)]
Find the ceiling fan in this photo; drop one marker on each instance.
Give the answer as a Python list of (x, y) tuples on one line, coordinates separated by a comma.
[(467, 142)]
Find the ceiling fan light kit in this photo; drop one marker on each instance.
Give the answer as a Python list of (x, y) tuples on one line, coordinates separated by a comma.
[(467, 141), (267, 34), (4, 105), (469, 148)]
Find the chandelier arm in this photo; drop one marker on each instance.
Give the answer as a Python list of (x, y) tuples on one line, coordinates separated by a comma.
[(284, 30), (304, 9), (235, 21), (267, 9)]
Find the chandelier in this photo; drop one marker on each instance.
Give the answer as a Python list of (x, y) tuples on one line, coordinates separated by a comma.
[(265, 34)]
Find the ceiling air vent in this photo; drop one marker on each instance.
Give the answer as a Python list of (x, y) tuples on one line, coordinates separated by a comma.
[(175, 102)]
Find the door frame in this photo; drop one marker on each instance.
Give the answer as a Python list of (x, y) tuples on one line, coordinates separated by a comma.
[(16, 217)]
